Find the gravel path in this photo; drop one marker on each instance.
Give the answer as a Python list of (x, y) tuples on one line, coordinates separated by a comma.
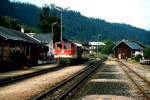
[(28, 88)]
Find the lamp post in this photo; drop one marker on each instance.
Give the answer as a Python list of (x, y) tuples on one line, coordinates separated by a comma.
[(61, 26), (53, 33), (98, 45), (61, 9), (100, 37)]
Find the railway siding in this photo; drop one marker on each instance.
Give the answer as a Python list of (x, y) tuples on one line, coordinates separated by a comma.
[(142, 85), (14, 76), (28, 88), (4, 75), (143, 70)]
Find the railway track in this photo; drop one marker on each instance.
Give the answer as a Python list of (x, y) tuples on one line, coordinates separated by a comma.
[(63, 89), (142, 84), (14, 79)]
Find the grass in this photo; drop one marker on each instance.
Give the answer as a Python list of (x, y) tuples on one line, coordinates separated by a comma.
[(135, 62), (99, 55), (132, 61)]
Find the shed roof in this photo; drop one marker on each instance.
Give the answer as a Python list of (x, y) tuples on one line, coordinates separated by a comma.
[(133, 45), (46, 38), (10, 34)]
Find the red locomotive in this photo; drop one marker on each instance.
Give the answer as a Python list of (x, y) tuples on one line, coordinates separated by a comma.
[(68, 52)]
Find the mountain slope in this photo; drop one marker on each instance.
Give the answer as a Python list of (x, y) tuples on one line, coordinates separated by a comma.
[(23, 12), (97, 29)]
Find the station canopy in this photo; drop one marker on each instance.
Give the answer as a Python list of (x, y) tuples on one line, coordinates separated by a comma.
[(97, 43)]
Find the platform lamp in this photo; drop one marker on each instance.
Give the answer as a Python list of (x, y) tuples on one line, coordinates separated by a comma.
[(61, 9), (53, 24)]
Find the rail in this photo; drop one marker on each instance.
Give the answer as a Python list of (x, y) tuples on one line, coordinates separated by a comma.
[(13, 79), (89, 70), (143, 85)]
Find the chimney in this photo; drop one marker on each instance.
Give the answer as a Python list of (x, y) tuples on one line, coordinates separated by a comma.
[(22, 29)]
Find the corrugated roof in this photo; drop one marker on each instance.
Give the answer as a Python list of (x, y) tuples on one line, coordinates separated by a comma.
[(43, 37), (132, 45), (10, 34)]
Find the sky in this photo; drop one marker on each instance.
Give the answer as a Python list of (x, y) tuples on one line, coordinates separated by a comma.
[(133, 12)]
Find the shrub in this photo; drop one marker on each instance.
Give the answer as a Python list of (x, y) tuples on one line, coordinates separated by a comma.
[(107, 49), (103, 57), (138, 57), (147, 53)]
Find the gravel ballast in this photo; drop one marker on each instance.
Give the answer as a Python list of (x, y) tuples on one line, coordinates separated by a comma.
[(108, 83), (30, 87)]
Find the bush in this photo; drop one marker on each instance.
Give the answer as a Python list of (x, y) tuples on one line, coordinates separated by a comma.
[(137, 57), (107, 49), (103, 57), (147, 53)]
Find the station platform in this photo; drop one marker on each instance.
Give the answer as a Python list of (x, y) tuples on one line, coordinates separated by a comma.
[(4, 75)]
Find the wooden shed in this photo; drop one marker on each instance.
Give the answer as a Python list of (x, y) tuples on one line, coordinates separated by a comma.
[(12, 41), (125, 49)]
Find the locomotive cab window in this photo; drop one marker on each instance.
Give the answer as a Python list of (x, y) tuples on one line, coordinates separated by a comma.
[(58, 46), (67, 46)]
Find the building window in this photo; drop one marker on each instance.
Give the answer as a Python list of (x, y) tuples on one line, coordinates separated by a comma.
[(59, 46), (67, 46)]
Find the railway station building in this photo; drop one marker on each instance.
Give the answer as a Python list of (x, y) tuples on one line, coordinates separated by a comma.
[(12, 42), (45, 39), (125, 49)]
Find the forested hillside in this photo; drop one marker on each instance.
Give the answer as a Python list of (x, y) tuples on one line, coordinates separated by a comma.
[(76, 26), (91, 29), (23, 12)]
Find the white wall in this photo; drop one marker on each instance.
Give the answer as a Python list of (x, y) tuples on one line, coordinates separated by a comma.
[(138, 52)]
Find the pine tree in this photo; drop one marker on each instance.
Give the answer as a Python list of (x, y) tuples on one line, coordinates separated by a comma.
[(46, 20)]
